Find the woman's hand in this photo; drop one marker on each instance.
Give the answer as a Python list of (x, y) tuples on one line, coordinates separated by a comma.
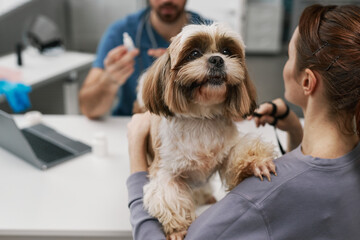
[(265, 114), (138, 132)]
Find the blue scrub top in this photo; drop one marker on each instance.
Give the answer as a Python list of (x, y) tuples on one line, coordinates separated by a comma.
[(113, 37)]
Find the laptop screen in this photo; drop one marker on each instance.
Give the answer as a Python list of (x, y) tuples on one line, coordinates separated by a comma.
[(13, 140), (39, 145)]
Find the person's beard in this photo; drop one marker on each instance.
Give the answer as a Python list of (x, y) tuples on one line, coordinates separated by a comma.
[(169, 17)]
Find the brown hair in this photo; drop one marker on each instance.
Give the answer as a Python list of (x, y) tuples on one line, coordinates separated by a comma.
[(329, 44)]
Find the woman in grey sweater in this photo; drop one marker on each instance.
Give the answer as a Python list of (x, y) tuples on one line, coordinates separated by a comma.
[(316, 194)]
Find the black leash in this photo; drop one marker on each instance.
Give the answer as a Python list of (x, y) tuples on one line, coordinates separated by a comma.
[(276, 118)]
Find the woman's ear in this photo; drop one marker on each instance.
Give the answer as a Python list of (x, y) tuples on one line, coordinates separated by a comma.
[(309, 82)]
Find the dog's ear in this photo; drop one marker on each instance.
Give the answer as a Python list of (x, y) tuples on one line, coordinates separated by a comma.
[(175, 98), (241, 100), (154, 86)]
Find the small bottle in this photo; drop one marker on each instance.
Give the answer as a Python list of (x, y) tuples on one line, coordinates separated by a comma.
[(33, 118), (128, 42), (99, 145)]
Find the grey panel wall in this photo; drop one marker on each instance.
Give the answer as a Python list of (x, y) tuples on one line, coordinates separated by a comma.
[(88, 20), (13, 24)]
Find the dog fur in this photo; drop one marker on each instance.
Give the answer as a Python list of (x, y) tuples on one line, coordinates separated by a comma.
[(195, 91)]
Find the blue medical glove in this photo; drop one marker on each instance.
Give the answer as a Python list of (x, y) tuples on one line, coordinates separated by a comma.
[(16, 94)]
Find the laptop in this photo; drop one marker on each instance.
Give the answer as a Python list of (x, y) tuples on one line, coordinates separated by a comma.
[(39, 145)]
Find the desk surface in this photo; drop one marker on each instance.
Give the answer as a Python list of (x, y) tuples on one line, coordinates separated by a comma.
[(38, 69), (86, 196)]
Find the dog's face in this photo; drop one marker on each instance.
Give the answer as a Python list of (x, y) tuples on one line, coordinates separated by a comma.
[(202, 74)]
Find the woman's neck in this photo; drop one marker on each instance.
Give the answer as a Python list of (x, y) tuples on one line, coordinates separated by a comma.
[(323, 138), (168, 30)]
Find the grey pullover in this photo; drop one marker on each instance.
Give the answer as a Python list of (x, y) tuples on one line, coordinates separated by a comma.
[(311, 198)]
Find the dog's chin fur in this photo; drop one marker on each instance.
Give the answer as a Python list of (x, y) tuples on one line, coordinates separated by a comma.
[(203, 112), (208, 95), (195, 90)]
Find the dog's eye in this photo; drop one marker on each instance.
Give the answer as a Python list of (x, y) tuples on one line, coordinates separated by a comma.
[(194, 54), (226, 52)]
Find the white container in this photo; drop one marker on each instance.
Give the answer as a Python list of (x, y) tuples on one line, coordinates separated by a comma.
[(33, 118), (128, 42), (99, 145)]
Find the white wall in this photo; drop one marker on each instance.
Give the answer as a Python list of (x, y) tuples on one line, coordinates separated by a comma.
[(7, 6)]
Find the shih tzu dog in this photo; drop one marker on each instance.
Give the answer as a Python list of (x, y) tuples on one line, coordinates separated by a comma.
[(195, 91)]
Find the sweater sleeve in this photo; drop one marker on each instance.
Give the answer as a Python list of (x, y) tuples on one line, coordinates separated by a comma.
[(142, 223)]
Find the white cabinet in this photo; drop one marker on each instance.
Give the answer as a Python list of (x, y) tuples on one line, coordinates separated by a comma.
[(260, 22), (229, 12), (264, 26)]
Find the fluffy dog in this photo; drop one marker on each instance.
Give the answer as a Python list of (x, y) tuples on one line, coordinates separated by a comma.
[(196, 90)]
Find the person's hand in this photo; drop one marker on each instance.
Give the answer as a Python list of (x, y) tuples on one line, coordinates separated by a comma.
[(156, 52), (138, 132), (290, 123), (119, 64), (265, 115)]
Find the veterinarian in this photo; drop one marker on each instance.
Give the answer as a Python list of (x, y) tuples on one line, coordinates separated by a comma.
[(115, 71), (316, 193)]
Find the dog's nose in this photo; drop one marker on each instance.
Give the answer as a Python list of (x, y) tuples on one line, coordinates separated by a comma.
[(216, 61)]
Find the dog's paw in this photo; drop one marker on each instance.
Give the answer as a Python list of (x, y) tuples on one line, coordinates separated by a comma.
[(211, 200), (177, 235), (264, 169), (203, 195)]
